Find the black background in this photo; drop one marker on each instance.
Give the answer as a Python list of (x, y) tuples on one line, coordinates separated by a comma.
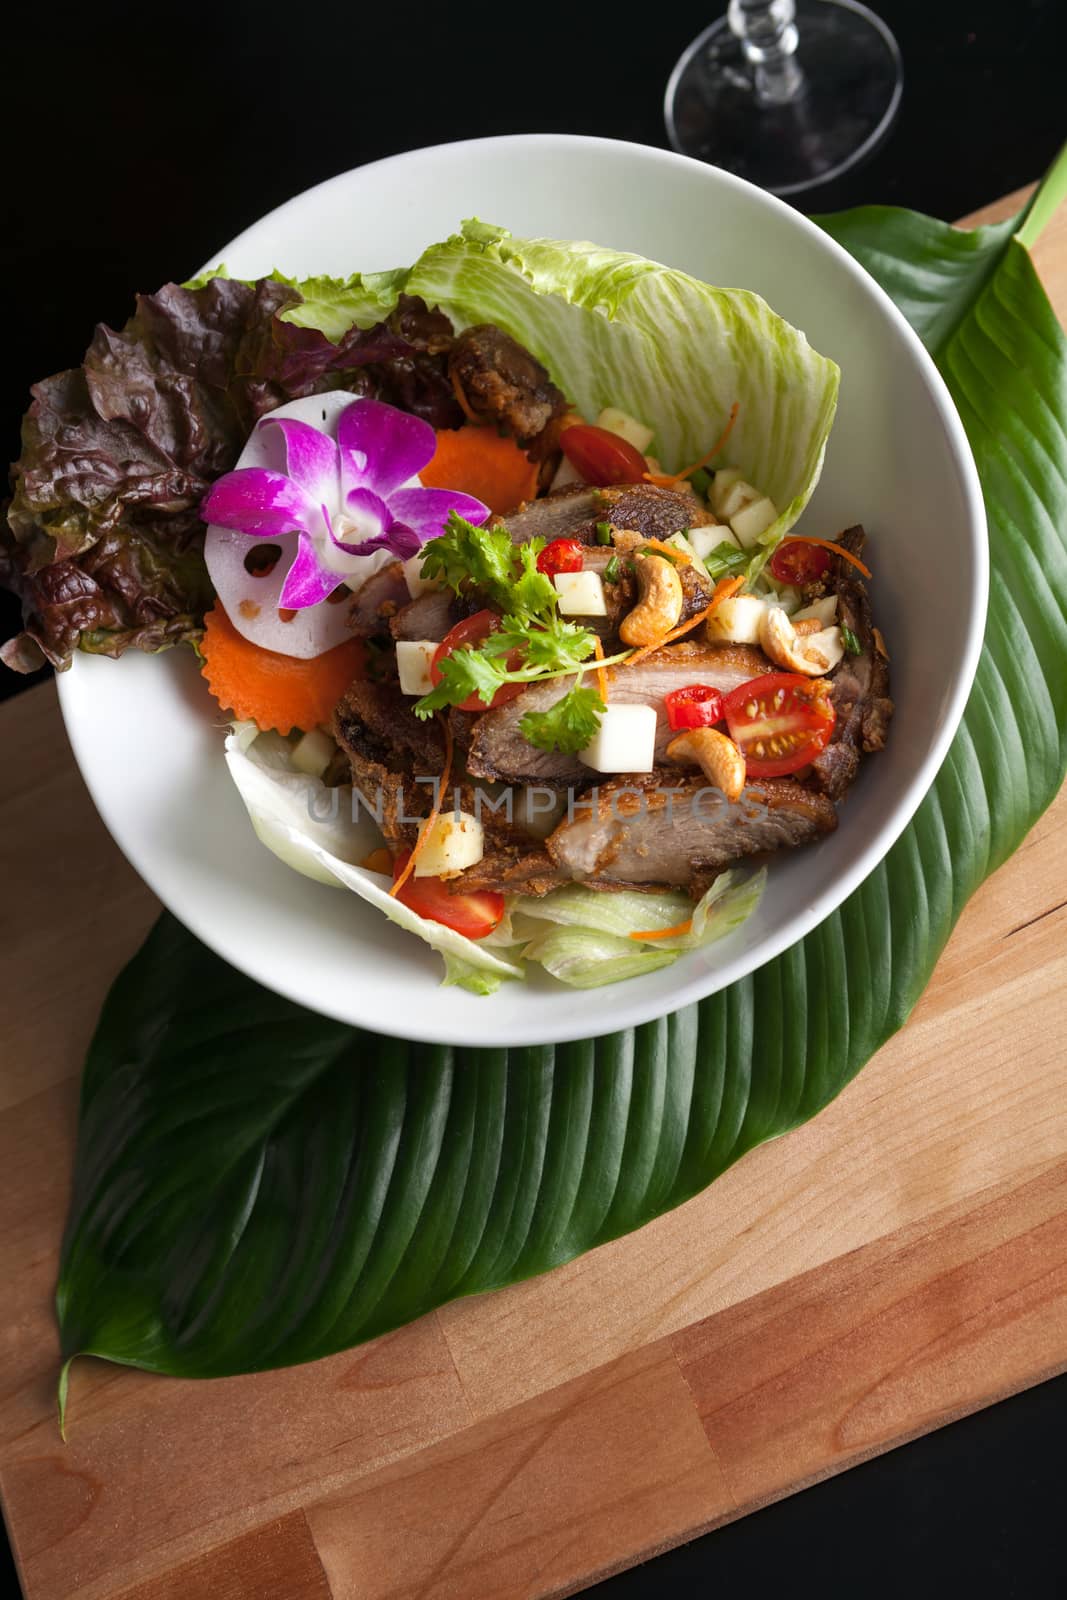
[(139, 138)]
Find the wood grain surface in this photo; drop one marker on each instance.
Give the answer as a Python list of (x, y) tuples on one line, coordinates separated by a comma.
[(896, 1263)]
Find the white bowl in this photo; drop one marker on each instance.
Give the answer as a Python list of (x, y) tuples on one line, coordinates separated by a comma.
[(898, 461)]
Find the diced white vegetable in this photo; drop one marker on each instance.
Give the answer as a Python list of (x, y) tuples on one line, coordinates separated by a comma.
[(566, 474), (413, 657), (825, 648), (682, 542), (705, 540), (455, 841), (314, 752), (737, 621), (753, 519), (625, 740), (581, 594), (627, 427), (824, 611), (416, 583), (721, 485)]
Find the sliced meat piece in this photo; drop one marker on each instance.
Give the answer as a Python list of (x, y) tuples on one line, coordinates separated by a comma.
[(655, 829), (573, 513), (378, 600), (566, 514), (652, 512), (860, 691), (428, 616), (512, 869), (388, 748), (498, 750), (497, 380)]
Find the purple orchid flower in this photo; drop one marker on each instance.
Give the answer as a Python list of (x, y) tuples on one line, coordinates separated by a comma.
[(356, 494)]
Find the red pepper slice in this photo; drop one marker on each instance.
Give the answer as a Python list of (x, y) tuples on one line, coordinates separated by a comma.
[(561, 555), (697, 705)]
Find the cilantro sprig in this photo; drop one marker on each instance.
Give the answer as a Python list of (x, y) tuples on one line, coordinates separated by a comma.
[(532, 641)]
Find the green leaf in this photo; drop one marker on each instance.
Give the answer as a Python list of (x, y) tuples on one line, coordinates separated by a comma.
[(568, 725), (619, 330), (256, 1185)]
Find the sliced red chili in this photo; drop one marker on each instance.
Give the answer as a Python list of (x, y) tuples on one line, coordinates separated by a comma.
[(697, 705), (561, 555)]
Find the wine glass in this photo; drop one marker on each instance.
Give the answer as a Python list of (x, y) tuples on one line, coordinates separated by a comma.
[(786, 93)]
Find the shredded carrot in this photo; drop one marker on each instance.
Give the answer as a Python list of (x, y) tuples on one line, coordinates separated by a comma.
[(665, 480), (272, 690), (601, 675), (477, 461), (724, 590), (671, 551), (828, 544), (665, 933), (427, 827)]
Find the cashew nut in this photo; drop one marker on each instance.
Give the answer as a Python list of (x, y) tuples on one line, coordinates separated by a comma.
[(812, 654), (717, 757), (659, 605)]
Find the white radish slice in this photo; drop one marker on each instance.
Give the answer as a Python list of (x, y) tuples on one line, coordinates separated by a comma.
[(252, 601)]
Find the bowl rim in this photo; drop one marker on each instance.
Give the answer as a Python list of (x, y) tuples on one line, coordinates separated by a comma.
[(491, 1024)]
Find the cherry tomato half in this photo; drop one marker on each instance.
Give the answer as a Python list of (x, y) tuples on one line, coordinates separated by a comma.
[(780, 722), (560, 555), (698, 705), (797, 562), (464, 636), (601, 457), (474, 915)]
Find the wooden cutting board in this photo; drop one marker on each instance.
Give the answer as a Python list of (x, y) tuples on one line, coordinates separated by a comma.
[(894, 1264)]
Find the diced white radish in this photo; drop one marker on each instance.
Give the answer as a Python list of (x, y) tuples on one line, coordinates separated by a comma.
[(625, 740), (314, 752), (455, 841), (581, 594), (736, 498), (566, 475), (824, 611), (721, 485), (627, 427), (737, 621), (416, 583), (413, 657), (753, 519), (705, 540)]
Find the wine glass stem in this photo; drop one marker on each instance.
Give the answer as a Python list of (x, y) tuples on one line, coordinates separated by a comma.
[(768, 35)]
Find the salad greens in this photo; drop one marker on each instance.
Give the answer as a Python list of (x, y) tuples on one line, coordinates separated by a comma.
[(103, 542), (285, 806), (530, 623)]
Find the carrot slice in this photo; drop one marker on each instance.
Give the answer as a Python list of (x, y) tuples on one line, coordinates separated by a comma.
[(477, 461), (601, 674), (272, 690), (671, 551), (426, 828), (665, 933)]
